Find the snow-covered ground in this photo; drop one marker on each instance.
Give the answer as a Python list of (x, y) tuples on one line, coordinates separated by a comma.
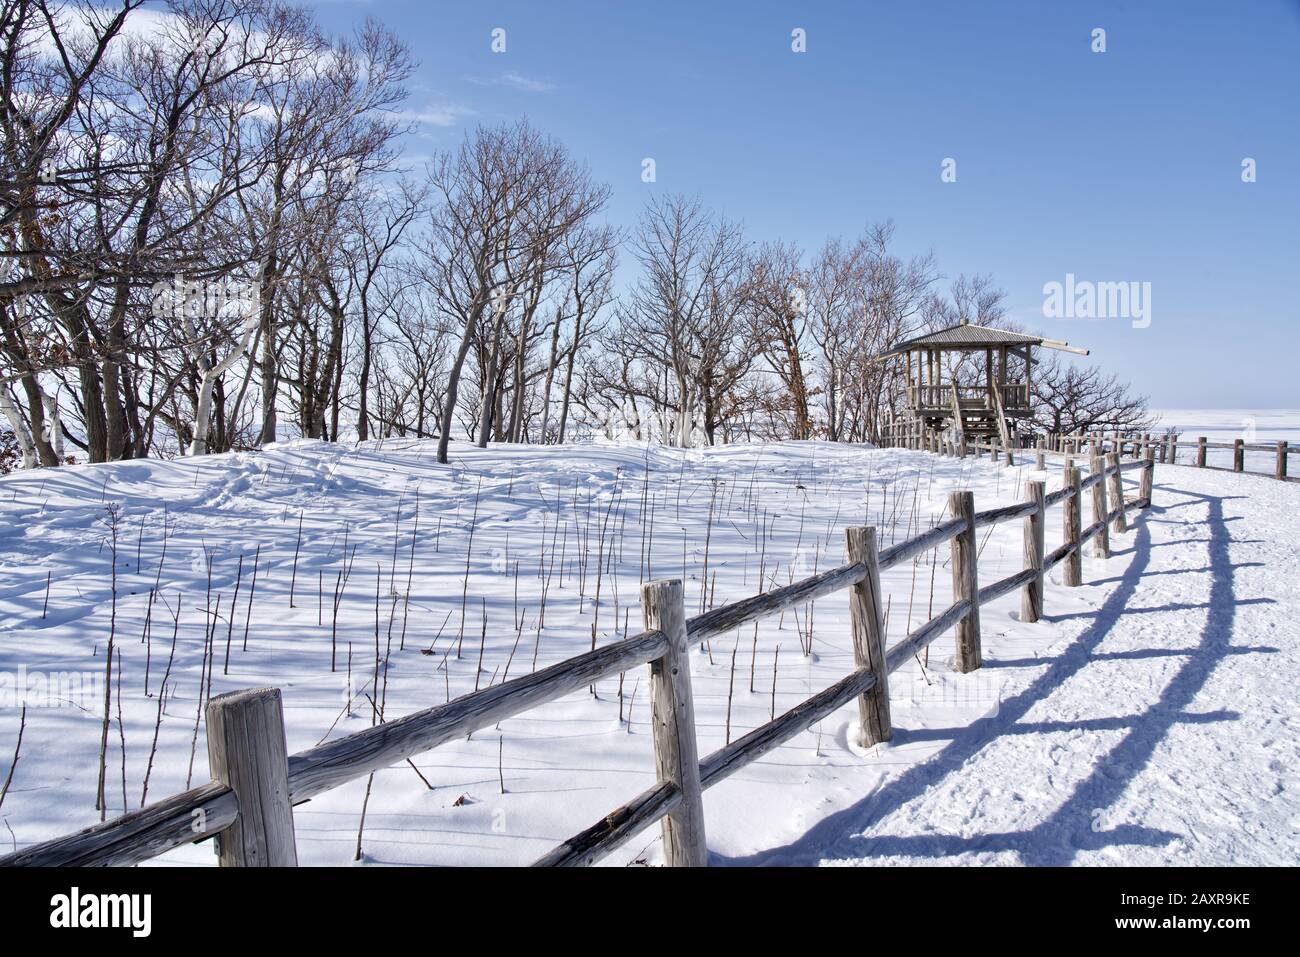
[(1150, 718), (1252, 426)]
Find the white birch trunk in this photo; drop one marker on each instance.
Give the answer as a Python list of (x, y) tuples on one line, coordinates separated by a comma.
[(210, 375), (687, 417), (53, 424), (20, 430)]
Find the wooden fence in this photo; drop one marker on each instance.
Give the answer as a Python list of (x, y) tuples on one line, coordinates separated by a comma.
[(1134, 446), (248, 804), (1167, 446)]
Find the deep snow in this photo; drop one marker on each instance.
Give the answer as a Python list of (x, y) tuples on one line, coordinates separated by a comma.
[(1149, 719)]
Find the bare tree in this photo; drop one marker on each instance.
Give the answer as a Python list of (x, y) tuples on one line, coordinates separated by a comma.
[(501, 204), (1069, 399), (478, 193), (411, 380), (885, 298), (837, 321), (780, 301), (329, 121), (588, 265), (379, 222), (687, 317)]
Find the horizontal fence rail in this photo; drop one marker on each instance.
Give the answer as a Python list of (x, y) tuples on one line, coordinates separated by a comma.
[(1166, 447), (248, 805)]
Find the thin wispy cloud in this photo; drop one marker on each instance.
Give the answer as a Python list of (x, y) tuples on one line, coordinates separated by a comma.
[(436, 115), (513, 81)]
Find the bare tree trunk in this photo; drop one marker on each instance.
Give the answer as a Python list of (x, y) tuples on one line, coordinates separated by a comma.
[(488, 405), (453, 380), (685, 419), (92, 393), (19, 428), (568, 391), (550, 378), (363, 402), (269, 370), (117, 430), (269, 278), (43, 437)]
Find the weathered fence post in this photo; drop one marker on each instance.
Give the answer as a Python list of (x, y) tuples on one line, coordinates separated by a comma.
[(663, 606), (867, 613), (1200, 452), (1073, 530), (1148, 479), (1040, 460), (1101, 542), (247, 753), (1279, 470), (1031, 596), (965, 581), (1239, 455), (1117, 492)]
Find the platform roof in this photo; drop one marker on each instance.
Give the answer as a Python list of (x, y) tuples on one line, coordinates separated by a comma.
[(964, 335)]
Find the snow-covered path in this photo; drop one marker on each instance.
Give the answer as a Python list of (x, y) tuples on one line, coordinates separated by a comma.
[(1160, 730)]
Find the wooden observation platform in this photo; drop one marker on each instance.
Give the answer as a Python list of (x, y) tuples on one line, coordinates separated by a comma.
[(973, 402)]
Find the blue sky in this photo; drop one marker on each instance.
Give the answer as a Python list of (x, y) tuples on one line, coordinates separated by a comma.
[(1115, 166)]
